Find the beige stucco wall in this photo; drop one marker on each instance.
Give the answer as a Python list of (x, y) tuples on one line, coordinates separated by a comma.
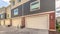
[(2, 22), (16, 21), (17, 4), (7, 21), (38, 22), (2, 10), (8, 11)]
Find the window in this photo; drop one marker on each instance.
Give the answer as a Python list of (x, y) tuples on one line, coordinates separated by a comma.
[(18, 0), (13, 3), (35, 5), (8, 15), (2, 16), (15, 11), (33, 0)]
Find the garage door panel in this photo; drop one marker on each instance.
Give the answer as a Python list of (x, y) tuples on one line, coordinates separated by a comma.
[(2, 22), (7, 22), (39, 22), (16, 22)]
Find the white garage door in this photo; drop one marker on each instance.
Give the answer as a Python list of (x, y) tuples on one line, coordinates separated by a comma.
[(7, 22), (16, 22), (2, 22), (38, 22)]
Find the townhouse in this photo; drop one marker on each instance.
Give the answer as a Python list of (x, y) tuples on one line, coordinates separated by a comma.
[(8, 21), (33, 14), (2, 16)]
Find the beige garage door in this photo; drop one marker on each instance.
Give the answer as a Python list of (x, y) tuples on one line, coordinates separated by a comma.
[(7, 22), (2, 22), (38, 22), (16, 22)]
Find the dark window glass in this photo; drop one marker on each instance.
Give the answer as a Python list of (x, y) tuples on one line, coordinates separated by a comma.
[(13, 3), (15, 12), (19, 0), (8, 15), (35, 3), (32, 0), (5, 15)]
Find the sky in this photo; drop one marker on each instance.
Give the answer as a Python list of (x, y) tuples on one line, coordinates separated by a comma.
[(4, 3), (57, 8)]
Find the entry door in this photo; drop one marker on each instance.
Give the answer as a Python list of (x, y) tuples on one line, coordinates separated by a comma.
[(16, 22)]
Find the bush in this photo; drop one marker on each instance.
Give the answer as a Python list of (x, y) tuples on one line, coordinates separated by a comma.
[(58, 26)]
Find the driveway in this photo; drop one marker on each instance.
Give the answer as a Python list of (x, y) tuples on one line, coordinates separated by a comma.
[(14, 30)]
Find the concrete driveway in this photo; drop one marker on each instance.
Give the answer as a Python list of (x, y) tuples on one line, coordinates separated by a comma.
[(14, 30)]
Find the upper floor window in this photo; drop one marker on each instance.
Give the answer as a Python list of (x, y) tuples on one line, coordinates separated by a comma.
[(15, 11), (32, 0), (35, 6), (13, 3), (18, 0), (8, 15)]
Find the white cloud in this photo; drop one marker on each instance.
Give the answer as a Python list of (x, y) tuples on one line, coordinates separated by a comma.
[(7, 1), (58, 6), (57, 3)]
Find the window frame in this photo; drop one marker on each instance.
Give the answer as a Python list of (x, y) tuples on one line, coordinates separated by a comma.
[(15, 10), (18, 0), (8, 15), (34, 4), (13, 3), (2, 16)]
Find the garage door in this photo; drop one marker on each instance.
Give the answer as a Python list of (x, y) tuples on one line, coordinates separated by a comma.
[(7, 22), (2, 22), (16, 22), (38, 22)]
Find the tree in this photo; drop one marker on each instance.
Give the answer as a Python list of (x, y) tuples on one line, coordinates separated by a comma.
[(58, 26)]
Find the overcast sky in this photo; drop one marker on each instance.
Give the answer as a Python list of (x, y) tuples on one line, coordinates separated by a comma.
[(4, 3), (58, 8)]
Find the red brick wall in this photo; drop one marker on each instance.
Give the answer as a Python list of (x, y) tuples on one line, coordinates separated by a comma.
[(11, 22), (23, 22), (52, 21)]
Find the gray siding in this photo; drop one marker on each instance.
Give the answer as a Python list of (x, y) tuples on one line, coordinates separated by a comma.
[(45, 6), (19, 11)]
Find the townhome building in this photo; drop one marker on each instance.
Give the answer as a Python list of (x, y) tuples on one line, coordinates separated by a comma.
[(8, 21), (2, 16), (32, 14)]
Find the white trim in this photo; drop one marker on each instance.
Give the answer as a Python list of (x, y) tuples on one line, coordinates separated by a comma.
[(52, 30)]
